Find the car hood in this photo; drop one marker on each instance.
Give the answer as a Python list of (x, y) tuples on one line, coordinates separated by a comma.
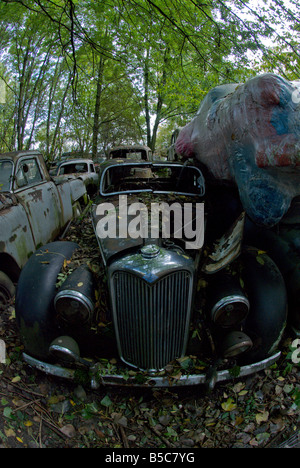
[(111, 246)]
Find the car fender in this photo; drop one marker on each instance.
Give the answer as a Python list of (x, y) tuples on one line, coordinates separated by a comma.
[(35, 296), (267, 295)]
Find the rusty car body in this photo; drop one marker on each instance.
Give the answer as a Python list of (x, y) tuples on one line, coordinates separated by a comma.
[(34, 209), (80, 168), (139, 152), (173, 315)]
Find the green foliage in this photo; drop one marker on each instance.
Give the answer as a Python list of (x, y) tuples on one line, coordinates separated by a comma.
[(84, 75)]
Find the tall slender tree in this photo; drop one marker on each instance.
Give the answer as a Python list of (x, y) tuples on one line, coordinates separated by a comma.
[(58, 56)]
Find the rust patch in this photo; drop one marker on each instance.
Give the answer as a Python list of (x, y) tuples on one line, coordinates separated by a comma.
[(13, 238), (37, 195)]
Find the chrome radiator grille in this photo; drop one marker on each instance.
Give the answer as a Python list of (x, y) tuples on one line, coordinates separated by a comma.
[(151, 320)]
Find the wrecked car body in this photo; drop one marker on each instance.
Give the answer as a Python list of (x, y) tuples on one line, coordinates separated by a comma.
[(183, 307), (80, 168), (34, 209), (139, 152), (248, 134)]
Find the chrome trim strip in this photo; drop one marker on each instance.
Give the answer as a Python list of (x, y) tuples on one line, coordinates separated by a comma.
[(159, 381), (50, 369)]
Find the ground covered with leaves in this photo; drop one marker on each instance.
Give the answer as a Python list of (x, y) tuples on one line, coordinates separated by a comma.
[(39, 411)]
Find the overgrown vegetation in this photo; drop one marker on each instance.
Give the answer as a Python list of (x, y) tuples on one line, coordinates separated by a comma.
[(83, 75)]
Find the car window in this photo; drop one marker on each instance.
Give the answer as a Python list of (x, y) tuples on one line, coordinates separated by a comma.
[(82, 167), (6, 171), (73, 168), (129, 154), (28, 173), (155, 178)]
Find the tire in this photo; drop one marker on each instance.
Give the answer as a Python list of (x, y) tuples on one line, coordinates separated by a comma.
[(7, 290)]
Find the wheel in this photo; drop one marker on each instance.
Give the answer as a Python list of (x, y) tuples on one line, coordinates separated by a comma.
[(7, 289)]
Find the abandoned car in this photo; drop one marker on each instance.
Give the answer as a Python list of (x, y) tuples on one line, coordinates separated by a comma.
[(80, 168), (34, 209), (187, 301), (139, 152)]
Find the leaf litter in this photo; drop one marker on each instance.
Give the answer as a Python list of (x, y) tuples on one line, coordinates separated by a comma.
[(39, 411)]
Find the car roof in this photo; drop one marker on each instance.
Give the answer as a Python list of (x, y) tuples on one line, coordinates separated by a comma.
[(130, 147), (76, 161), (14, 155), (137, 162)]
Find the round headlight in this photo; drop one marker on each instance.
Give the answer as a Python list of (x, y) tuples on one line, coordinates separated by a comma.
[(73, 307), (74, 302), (236, 343), (65, 348), (230, 310), (227, 302)]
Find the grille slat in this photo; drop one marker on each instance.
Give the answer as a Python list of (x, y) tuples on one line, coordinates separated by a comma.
[(151, 320)]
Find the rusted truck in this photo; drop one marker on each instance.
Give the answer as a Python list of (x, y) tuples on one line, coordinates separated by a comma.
[(34, 209)]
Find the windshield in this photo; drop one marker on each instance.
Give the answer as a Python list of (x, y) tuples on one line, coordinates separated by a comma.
[(6, 171), (125, 153), (130, 178), (73, 168)]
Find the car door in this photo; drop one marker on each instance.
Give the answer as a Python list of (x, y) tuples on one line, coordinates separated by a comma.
[(39, 198)]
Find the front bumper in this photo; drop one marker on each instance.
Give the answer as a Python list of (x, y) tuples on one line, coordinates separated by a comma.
[(96, 380)]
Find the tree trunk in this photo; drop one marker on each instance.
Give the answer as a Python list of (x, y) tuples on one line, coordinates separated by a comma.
[(60, 115), (52, 90), (152, 133), (146, 100), (97, 107)]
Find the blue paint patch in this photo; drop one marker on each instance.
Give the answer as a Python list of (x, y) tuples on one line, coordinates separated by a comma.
[(281, 113), (264, 201), (150, 278), (280, 120)]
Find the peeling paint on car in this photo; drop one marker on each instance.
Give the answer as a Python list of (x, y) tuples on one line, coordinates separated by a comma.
[(36, 209)]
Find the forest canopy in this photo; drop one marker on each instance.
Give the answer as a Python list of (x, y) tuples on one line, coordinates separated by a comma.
[(83, 75)]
